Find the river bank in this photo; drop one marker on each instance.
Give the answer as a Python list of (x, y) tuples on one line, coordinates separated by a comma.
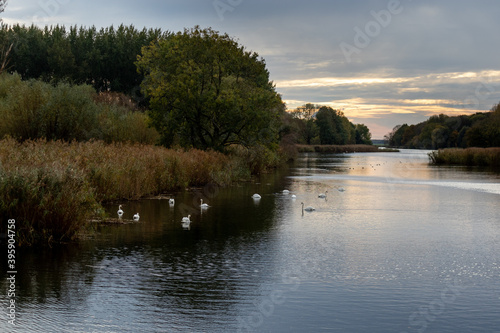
[(339, 149), (52, 188)]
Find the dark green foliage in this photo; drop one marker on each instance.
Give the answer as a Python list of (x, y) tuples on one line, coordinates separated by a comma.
[(102, 58), (323, 125), (206, 91), (478, 130), (363, 135)]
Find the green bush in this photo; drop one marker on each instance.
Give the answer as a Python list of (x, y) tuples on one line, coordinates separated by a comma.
[(34, 109)]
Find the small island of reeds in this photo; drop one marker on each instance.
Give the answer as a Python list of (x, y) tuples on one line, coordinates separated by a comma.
[(468, 157), (340, 149)]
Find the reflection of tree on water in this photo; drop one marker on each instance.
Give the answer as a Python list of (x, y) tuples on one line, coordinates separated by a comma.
[(60, 274), (155, 264)]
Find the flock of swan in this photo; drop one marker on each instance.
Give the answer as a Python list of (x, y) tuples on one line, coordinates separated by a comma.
[(120, 214), (186, 221)]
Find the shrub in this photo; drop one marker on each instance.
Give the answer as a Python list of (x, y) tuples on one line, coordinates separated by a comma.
[(34, 109)]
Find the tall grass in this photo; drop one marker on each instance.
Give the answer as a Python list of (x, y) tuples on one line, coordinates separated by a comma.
[(51, 187), (64, 150), (48, 204), (337, 148), (468, 156)]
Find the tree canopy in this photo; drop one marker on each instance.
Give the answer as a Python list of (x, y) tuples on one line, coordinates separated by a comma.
[(324, 125), (481, 129), (102, 58), (206, 91)]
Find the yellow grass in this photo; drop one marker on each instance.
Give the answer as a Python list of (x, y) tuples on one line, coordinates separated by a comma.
[(468, 156), (52, 188)]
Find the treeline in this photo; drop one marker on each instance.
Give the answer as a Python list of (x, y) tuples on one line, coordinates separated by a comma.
[(481, 129), (316, 124), (102, 58), (33, 109)]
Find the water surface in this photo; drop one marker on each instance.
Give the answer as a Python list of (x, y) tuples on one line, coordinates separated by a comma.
[(397, 246)]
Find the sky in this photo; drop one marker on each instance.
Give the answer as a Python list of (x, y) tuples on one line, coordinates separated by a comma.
[(382, 62)]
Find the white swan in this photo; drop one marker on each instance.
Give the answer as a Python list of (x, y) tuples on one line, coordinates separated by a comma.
[(186, 219), (307, 209), (256, 196), (136, 217), (322, 195), (120, 211), (286, 191), (171, 201), (294, 196), (203, 205)]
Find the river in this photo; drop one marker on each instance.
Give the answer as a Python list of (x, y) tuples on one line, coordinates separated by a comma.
[(397, 245)]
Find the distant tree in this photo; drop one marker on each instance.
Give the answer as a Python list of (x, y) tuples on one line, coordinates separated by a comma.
[(206, 91), (325, 119), (481, 129), (334, 127), (440, 137), (311, 133), (363, 135)]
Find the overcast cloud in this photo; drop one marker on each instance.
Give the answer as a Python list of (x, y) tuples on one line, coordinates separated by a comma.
[(384, 62)]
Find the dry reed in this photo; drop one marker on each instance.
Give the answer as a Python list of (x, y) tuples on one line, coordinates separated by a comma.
[(337, 148), (468, 156), (53, 187)]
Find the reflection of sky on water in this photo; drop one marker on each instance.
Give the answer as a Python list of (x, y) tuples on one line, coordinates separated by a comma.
[(410, 168)]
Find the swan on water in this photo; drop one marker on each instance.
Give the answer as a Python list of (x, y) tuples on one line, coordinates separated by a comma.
[(171, 201), (120, 211), (286, 191), (186, 222), (294, 196), (136, 217), (203, 205), (322, 195), (256, 196), (307, 209)]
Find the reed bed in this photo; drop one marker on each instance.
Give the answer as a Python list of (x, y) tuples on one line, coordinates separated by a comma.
[(52, 188), (468, 156), (337, 148)]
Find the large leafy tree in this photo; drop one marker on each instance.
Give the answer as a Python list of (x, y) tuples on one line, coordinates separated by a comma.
[(207, 91)]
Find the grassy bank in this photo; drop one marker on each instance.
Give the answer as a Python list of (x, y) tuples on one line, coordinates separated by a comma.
[(53, 188), (468, 156), (337, 148)]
